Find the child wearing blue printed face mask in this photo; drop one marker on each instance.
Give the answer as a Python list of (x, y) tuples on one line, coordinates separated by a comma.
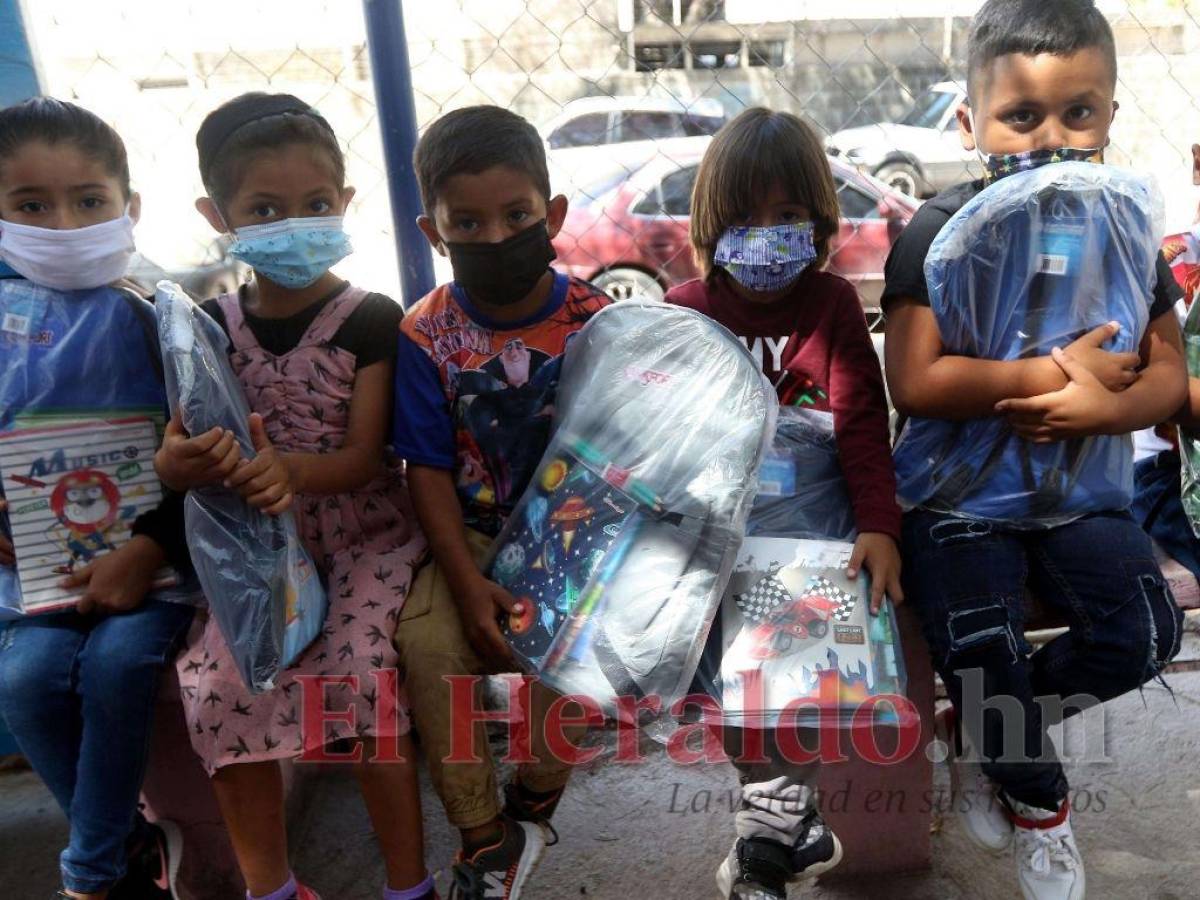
[(78, 686), (763, 211), (315, 357)]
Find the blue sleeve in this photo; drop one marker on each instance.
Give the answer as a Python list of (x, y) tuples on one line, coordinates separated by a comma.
[(422, 429)]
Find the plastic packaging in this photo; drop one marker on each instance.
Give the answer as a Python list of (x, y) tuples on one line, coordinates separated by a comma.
[(262, 587), (1033, 262), (71, 358), (625, 538), (795, 642), (1189, 440)]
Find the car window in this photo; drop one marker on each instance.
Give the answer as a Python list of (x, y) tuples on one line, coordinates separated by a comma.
[(595, 185), (648, 126), (855, 202), (585, 131), (677, 192), (927, 112), (698, 126), (670, 197)]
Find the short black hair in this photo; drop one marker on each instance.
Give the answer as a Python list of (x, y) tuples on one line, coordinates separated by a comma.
[(236, 131), (58, 122), (474, 139), (1033, 27)]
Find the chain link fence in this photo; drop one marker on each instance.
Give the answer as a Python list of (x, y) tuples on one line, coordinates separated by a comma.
[(626, 93)]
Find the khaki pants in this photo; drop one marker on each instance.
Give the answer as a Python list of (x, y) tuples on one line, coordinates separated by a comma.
[(432, 645)]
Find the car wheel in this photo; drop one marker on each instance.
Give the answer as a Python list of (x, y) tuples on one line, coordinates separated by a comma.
[(901, 176), (629, 284), (818, 629)]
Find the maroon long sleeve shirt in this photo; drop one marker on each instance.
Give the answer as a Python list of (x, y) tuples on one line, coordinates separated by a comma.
[(814, 345)]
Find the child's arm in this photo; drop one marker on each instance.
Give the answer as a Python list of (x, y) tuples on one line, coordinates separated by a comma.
[(1189, 414), (1085, 407), (118, 581), (860, 421), (270, 480), (480, 602), (183, 462), (924, 382)]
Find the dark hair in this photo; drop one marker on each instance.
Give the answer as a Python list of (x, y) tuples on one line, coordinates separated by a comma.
[(56, 122), (473, 140), (750, 155), (1033, 27), (237, 131)]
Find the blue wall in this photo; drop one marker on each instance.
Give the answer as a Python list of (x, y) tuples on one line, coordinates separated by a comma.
[(18, 76)]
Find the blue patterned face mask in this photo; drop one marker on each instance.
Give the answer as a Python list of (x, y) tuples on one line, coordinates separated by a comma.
[(766, 259), (293, 253)]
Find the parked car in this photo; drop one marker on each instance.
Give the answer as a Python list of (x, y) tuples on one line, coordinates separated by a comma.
[(217, 273), (627, 227), (595, 121), (919, 155)]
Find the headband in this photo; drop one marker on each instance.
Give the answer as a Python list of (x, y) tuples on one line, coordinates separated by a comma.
[(226, 120)]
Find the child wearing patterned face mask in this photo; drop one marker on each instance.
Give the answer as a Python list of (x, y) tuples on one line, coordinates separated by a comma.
[(315, 357), (763, 211), (78, 686)]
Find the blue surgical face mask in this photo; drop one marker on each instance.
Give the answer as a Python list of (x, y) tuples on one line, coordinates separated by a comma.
[(766, 259), (293, 253)]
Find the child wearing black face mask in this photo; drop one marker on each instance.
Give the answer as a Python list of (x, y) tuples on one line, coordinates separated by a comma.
[(476, 378)]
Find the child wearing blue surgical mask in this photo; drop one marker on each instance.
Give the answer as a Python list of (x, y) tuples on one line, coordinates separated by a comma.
[(78, 685), (315, 357), (764, 209)]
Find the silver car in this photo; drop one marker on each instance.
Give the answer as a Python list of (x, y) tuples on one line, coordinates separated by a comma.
[(919, 155)]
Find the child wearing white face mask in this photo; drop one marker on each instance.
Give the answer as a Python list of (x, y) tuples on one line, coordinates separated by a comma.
[(78, 686), (315, 358)]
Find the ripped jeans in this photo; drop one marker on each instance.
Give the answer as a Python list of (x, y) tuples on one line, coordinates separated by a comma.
[(967, 580)]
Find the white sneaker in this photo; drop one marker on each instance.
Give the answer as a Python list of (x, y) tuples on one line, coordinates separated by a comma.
[(976, 797), (1048, 863)]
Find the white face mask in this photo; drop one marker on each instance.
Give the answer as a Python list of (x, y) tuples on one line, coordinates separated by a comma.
[(69, 259)]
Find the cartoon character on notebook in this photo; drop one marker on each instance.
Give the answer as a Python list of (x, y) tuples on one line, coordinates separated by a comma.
[(87, 508)]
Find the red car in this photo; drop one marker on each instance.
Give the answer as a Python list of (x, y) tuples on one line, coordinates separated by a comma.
[(627, 229), (807, 617)]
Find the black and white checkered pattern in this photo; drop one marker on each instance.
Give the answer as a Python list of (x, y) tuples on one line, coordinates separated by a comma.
[(823, 587), (760, 601)]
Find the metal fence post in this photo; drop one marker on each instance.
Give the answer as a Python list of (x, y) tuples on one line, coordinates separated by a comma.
[(18, 72), (397, 112)]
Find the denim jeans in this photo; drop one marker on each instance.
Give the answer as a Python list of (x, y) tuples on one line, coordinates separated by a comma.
[(1158, 508), (78, 694), (967, 580)]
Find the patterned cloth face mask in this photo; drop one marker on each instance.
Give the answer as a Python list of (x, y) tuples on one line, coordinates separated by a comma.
[(766, 259), (999, 165), (293, 253)]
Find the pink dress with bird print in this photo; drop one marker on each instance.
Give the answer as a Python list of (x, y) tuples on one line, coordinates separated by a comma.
[(366, 546)]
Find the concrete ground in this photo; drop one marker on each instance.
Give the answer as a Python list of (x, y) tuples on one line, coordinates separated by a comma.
[(625, 838)]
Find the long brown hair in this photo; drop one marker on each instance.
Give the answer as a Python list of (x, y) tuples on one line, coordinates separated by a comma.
[(746, 159)]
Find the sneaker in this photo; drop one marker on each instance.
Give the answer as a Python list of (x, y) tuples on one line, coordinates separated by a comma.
[(304, 893), (499, 871), (1048, 863), (760, 868), (152, 869), (520, 806), (976, 797)]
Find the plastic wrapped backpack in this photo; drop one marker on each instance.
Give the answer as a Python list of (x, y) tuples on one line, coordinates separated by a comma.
[(1033, 262), (623, 543), (261, 584)]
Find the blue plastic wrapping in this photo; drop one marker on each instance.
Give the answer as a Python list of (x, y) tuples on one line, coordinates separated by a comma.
[(69, 357), (622, 544), (262, 586), (1034, 262)]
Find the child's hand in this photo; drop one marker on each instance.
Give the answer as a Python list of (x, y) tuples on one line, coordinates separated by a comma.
[(8, 556), (117, 582), (184, 462), (878, 553), (1116, 371), (264, 482), (481, 603), (1080, 409)]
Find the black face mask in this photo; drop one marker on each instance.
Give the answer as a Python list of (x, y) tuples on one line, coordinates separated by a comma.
[(503, 274)]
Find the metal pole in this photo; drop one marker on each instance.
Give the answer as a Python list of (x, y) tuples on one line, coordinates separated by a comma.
[(397, 112), (18, 70)]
